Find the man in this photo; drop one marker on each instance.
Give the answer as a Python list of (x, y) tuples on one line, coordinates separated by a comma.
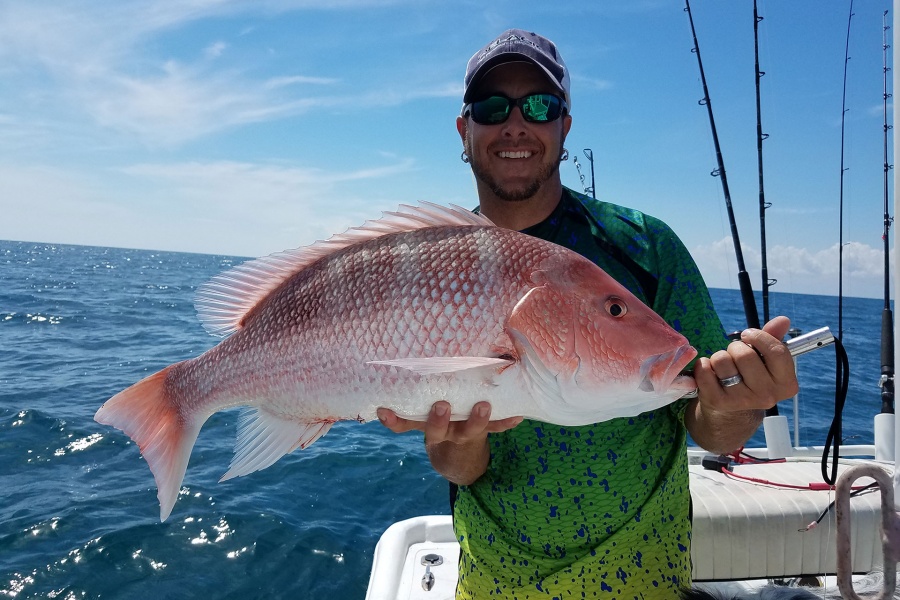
[(601, 511)]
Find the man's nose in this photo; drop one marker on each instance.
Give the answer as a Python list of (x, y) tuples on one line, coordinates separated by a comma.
[(515, 124)]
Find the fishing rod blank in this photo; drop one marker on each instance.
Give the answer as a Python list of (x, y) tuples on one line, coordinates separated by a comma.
[(589, 154), (743, 278), (887, 320), (763, 205), (841, 203)]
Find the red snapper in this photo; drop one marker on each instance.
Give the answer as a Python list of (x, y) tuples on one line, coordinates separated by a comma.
[(428, 303)]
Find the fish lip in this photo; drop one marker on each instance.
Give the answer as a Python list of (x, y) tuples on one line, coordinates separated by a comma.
[(657, 372)]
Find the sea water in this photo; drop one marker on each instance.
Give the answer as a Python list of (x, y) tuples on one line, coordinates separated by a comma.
[(79, 517)]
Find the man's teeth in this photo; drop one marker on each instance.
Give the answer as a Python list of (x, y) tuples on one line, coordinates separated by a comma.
[(519, 154)]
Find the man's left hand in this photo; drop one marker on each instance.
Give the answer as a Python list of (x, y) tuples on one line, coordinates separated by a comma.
[(762, 362)]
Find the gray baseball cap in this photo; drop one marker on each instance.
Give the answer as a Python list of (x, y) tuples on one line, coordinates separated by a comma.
[(516, 45)]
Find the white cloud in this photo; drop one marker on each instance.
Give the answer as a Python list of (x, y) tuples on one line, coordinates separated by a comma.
[(592, 83), (100, 66), (181, 103), (279, 82), (214, 50), (798, 270), (214, 207), (234, 181)]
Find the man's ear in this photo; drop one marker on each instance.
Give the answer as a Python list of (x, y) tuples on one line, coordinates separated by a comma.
[(462, 126)]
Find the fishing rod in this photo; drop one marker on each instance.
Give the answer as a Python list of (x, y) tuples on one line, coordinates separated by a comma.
[(589, 154), (887, 320), (763, 205), (746, 289), (842, 364), (844, 110)]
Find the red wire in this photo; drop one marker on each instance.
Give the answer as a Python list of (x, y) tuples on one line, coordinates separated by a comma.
[(808, 487)]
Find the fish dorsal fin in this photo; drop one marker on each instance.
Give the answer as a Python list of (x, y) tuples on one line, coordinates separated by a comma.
[(224, 300)]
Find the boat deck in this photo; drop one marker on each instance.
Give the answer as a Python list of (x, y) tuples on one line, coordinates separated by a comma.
[(741, 531), (747, 530)]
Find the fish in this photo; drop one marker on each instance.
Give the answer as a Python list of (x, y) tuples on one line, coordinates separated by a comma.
[(426, 303)]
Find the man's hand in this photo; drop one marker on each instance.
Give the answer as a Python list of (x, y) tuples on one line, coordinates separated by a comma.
[(458, 449), (439, 428), (764, 364), (724, 416)]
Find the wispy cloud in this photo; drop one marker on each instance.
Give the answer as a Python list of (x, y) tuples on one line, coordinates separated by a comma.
[(585, 83), (229, 179), (111, 67), (251, 209), (280, 82), (182, 103), (215, 50), (798, 270)]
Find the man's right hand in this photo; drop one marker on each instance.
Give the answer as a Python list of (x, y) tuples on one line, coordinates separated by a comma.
[(457, 449), (439, 428)]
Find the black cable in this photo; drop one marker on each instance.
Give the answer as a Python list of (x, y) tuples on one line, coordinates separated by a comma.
[(853, 494), (842, 382)]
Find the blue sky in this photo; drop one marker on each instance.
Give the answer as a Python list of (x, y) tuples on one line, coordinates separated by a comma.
[(249, 127)]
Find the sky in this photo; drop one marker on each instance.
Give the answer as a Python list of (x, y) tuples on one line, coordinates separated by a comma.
[(248, 127)]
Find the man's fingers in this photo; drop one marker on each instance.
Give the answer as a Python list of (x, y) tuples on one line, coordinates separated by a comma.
[(390, 420), (774, 353), (439, 428), (504, 424), (478, 420), (754, 373), (778, 327)]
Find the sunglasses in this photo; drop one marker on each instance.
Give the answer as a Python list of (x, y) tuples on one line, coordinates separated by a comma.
[(536, 108)]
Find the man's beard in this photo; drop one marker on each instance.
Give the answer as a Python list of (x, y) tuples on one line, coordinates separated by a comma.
[(513, 195)]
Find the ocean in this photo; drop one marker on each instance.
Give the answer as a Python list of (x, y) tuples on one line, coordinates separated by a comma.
[(79, 517)]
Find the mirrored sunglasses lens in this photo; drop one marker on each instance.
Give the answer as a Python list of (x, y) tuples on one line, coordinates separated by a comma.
[(540, 108), (491, 110)]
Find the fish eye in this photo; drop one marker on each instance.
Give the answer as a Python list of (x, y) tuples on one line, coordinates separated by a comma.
[(616, 307)]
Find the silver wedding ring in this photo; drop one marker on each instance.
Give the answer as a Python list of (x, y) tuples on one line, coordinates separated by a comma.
[(731, 381)]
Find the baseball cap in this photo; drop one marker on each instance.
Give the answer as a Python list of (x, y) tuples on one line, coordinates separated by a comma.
[(516, 45)]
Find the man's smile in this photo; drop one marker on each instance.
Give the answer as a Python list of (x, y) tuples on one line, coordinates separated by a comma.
[(514, 154)]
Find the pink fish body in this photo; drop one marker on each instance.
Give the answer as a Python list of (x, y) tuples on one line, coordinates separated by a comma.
[(428, 303)]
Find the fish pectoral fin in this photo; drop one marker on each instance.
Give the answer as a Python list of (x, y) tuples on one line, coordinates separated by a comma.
[(443, 364), (263, 438)]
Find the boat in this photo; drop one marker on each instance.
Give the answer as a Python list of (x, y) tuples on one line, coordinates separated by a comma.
[(762, 519), (745, 537)]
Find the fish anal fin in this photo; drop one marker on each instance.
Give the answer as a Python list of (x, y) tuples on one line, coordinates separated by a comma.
[(264, 437), (444, 364)]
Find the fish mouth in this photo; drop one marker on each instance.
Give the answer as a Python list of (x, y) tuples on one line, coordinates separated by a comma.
[(659, 371)]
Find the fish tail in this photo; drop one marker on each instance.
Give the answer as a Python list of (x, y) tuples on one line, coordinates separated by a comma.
[(149, 414)]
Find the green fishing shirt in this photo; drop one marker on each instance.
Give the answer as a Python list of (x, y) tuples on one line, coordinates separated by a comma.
[(603, 510)]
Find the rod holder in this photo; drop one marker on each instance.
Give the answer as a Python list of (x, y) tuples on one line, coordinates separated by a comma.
[(884, 437), (778, 438)]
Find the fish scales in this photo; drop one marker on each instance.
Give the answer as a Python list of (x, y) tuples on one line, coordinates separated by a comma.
[(427, 293), (427, 304)]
